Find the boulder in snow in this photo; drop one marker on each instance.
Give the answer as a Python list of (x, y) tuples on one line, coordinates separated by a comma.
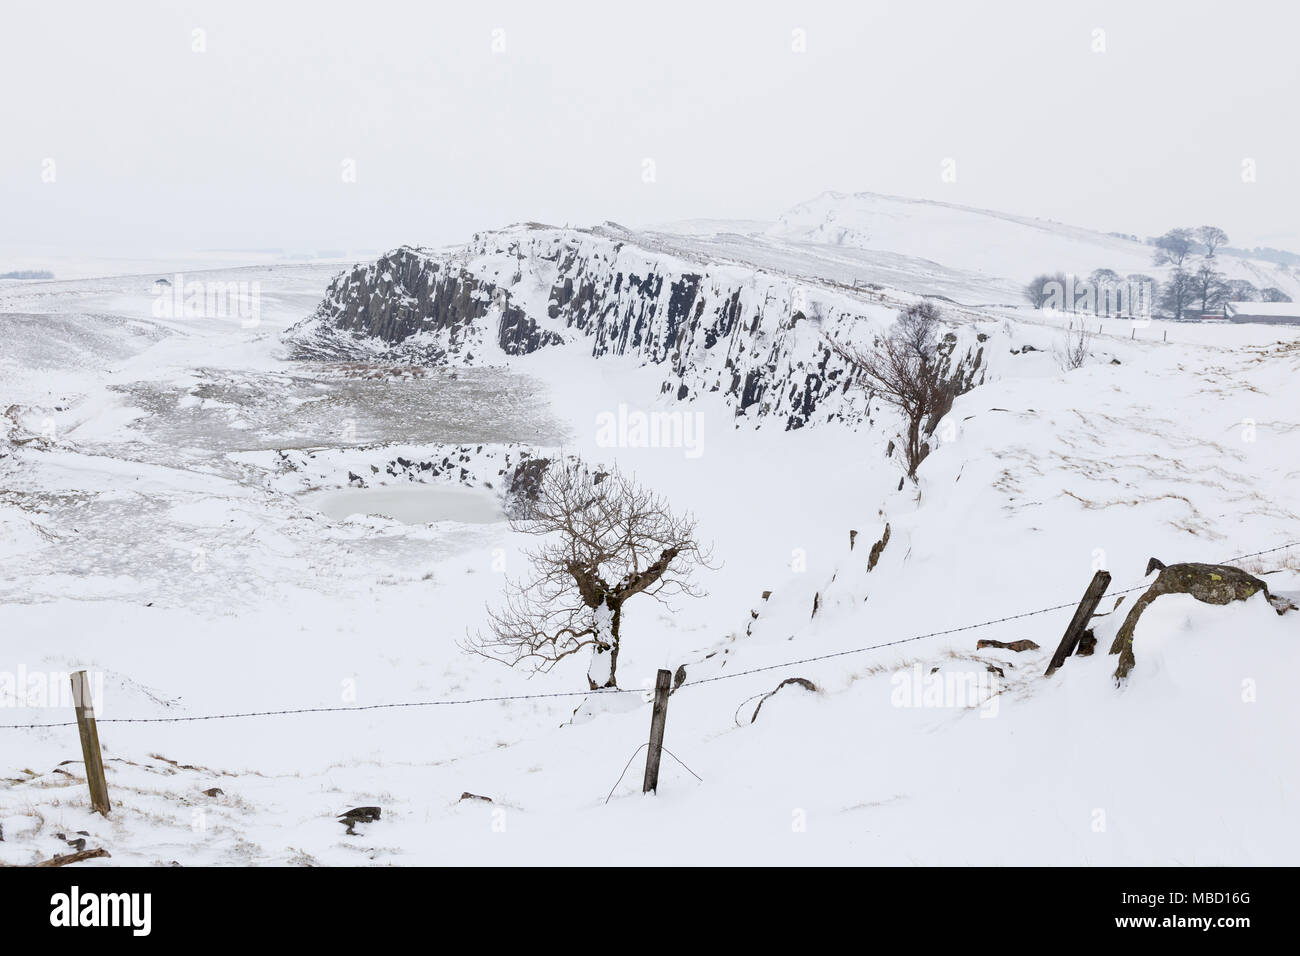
[(1210, 583)]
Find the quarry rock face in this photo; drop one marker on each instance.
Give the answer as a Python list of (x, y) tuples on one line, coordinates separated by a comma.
[(756, 338), (406, 298)]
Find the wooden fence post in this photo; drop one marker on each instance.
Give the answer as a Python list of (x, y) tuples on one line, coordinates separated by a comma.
[(95, 778), (658, 717), (1079, 623)]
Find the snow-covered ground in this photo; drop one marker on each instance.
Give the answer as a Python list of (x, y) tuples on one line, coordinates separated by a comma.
[(162, 525)]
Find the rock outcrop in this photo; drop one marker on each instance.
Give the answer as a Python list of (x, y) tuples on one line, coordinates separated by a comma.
[(757, 338), (411, 305), (1211, 583)]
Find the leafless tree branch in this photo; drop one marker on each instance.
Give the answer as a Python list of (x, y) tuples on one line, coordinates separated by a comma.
[(602, 539)]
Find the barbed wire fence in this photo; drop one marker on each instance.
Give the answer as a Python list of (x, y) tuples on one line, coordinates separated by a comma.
[(504, 698), (96, 779)]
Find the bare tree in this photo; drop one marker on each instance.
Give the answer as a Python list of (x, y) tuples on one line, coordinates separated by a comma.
[(1077, 347), (1106, 291), (903, 368), (603, 539), (1178, 293), (1046, 288), (1241, 290), (1174, 247), (1207, 283), (1211, 237), (1143, 291)]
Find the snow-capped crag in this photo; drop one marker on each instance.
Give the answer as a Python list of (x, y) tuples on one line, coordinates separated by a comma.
[(757, 338)]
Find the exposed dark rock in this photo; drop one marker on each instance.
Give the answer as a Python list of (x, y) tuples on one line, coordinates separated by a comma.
[(958, 378), (710, 332), (358, 815), (473, 796), (1022, 645), (403, 294), (525, 482), (878, 549), (1210, 583), (78, 843)]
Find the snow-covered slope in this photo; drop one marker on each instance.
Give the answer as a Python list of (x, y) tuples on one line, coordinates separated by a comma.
[(958, 236), (158, 525), (985, 242)]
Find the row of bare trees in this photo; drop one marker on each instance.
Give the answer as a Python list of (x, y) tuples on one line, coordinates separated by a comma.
[(1195, 281)]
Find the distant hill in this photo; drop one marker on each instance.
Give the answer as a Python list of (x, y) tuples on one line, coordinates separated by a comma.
[(997, 244), (27, 274)]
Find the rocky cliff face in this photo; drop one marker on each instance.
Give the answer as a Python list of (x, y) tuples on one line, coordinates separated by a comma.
[(413, 305), (756, 338)]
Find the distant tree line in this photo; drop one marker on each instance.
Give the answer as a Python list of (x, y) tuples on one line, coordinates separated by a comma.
[(1195, 284)]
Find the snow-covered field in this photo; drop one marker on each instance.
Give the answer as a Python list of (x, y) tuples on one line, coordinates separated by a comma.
[(166, 494)]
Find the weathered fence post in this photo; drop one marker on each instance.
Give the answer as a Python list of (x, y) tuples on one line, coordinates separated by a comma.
[(658, 717), (1078, 623), (95, 778)]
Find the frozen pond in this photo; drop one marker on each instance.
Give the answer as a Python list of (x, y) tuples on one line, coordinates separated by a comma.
[(410, 504)]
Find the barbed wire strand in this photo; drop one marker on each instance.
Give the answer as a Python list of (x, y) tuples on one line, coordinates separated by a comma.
[(633, 757), (679, 760), (625, 766), (611, 690)]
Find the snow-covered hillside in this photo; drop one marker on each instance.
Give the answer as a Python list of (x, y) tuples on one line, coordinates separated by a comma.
[(985, 242), (162, 525)]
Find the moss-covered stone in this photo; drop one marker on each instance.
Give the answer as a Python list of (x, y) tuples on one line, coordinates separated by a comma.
[(1210, 583)]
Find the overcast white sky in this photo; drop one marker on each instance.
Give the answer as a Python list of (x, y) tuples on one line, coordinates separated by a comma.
[(157, 148)]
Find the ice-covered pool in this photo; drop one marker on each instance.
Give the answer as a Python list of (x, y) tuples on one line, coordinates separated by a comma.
[(410, 504)]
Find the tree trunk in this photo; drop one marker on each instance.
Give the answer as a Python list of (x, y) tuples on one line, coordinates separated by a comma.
[(603, 669), (913, 446), (615, 620)]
